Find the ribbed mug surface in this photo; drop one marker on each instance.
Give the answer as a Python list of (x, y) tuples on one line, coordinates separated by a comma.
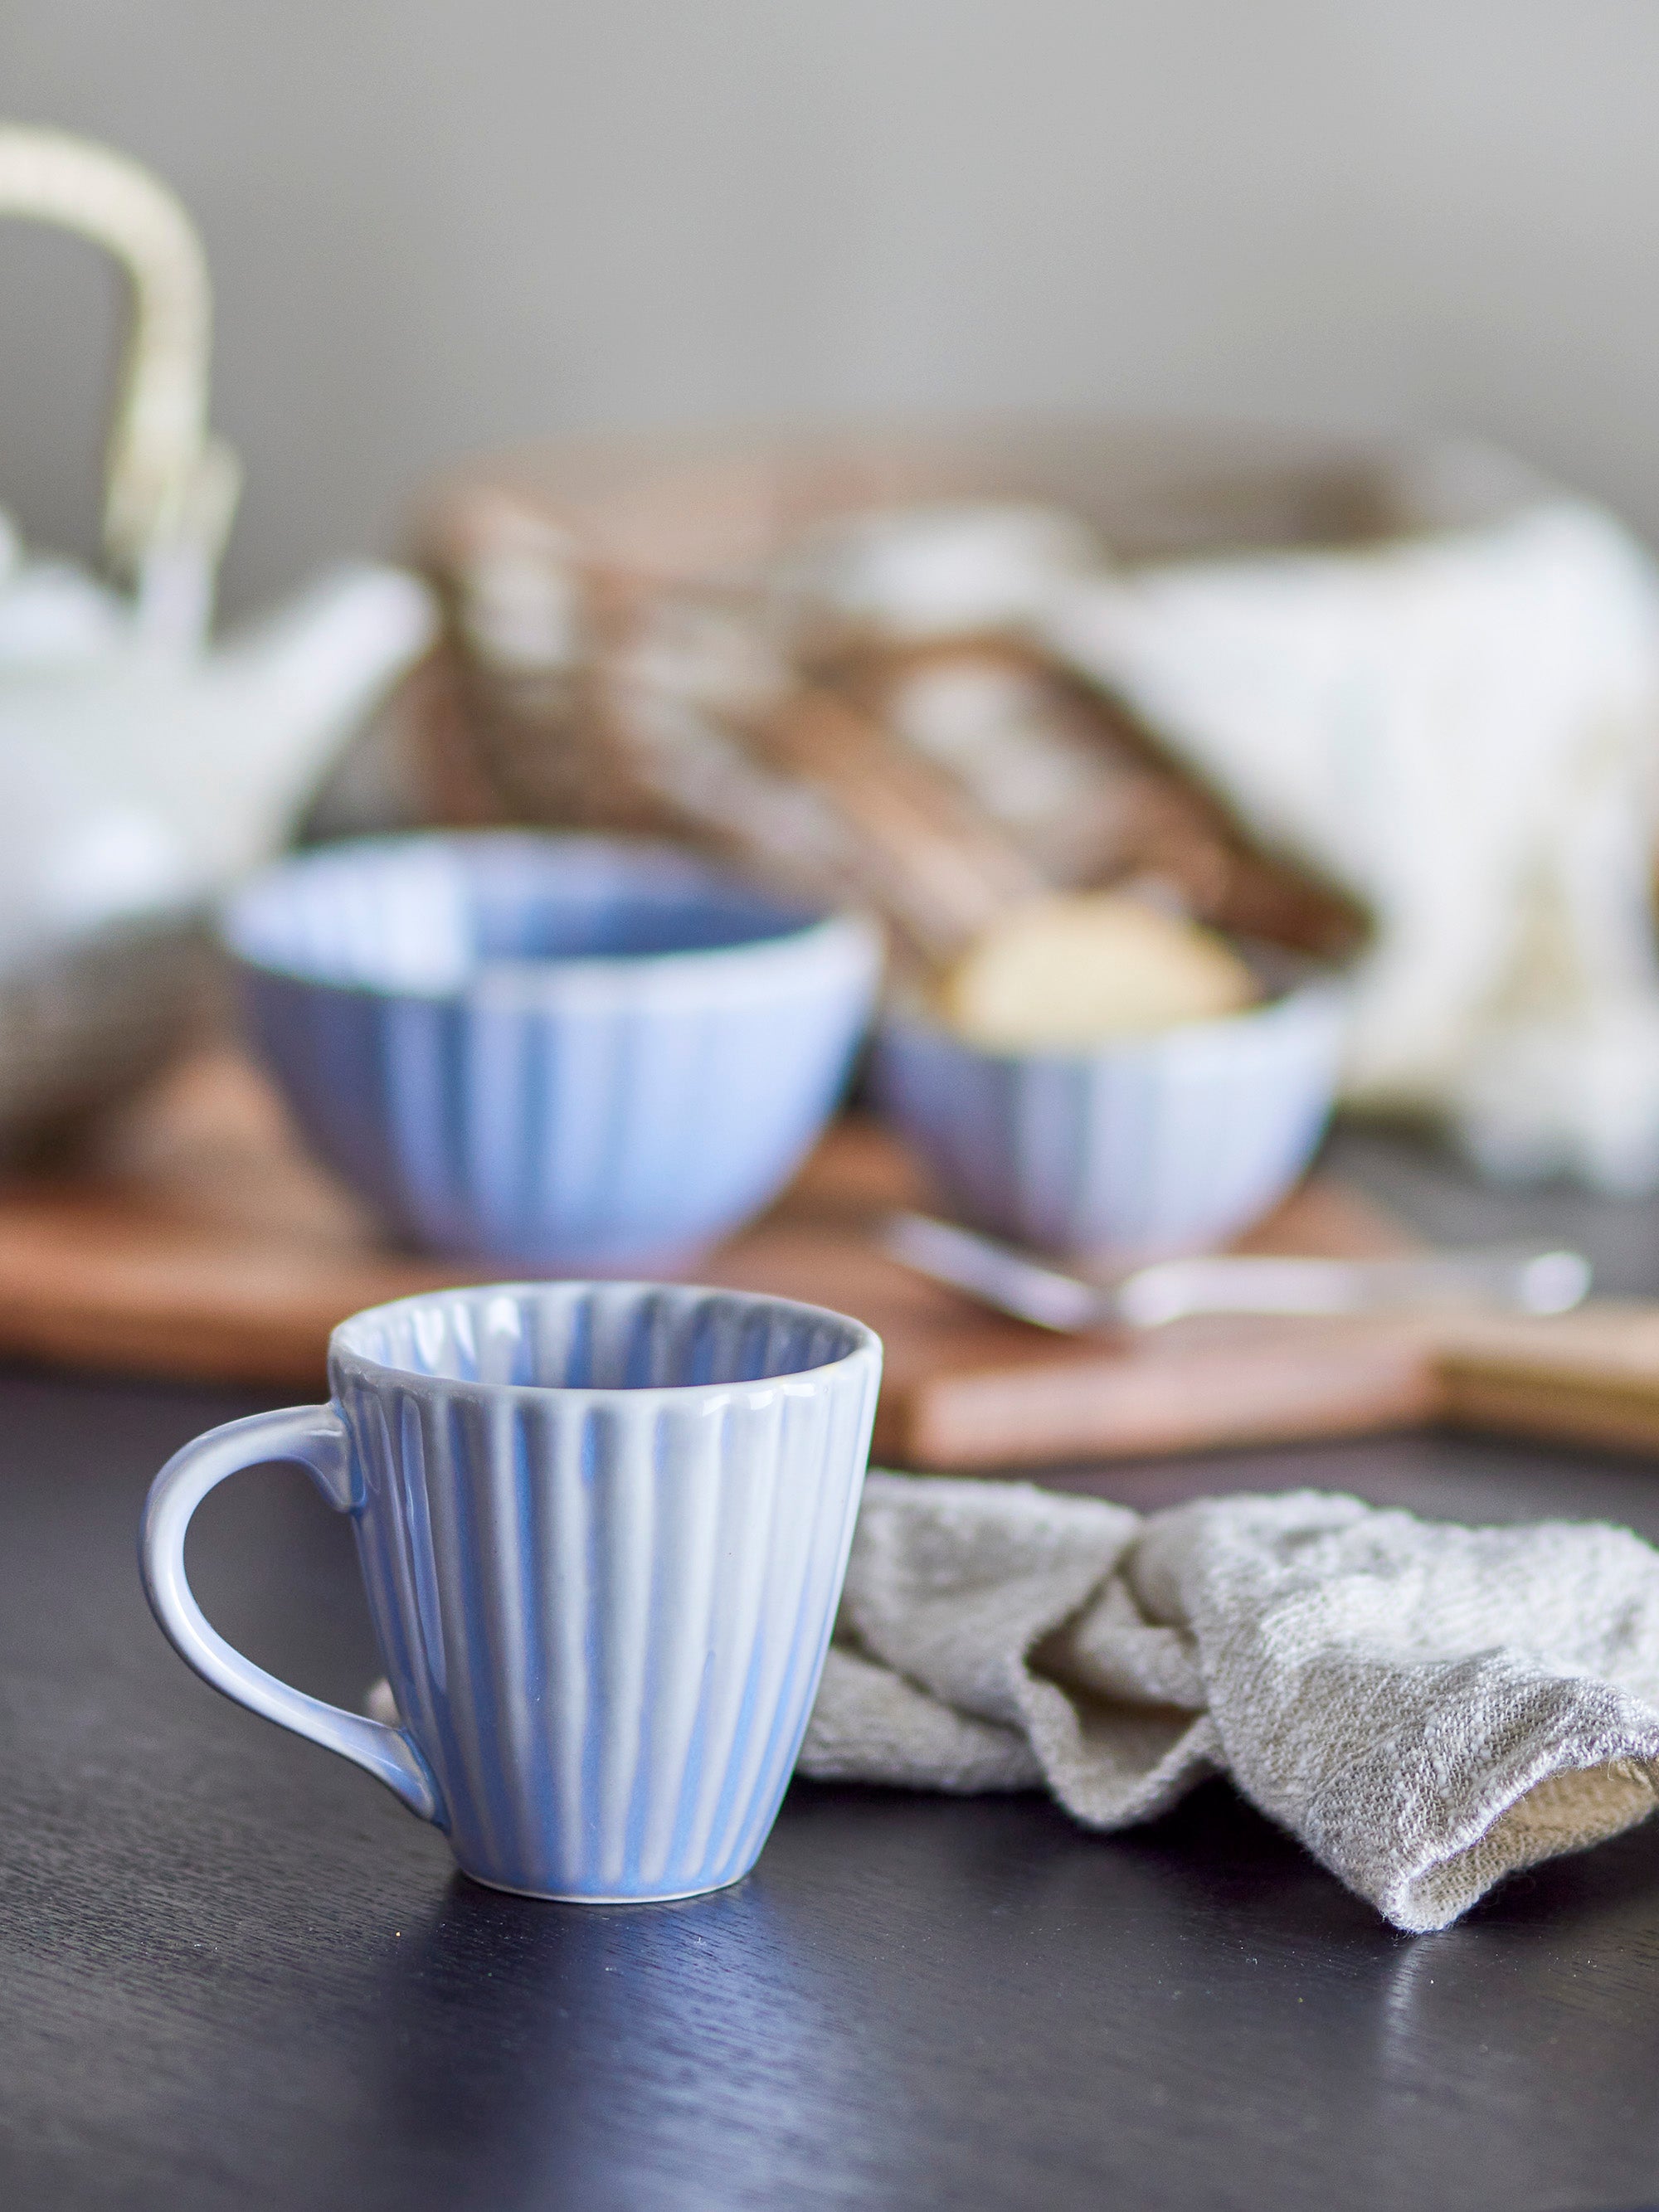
[(603, 1529)]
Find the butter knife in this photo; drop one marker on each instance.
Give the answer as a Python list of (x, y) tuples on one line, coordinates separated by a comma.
[(1524, 1279)]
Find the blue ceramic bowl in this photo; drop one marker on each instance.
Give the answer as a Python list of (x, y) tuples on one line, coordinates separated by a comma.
[(580, 1055), (1173, 1142)]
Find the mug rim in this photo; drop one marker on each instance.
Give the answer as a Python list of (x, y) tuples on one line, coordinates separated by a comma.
[(361, 1365)]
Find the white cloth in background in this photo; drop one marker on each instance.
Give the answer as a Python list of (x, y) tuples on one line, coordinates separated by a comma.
[(1462, 728), (1426, 1707)]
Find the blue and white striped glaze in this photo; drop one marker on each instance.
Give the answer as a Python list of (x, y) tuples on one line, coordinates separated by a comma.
[(578, 1055), (602, 1528), (1172, 1142)]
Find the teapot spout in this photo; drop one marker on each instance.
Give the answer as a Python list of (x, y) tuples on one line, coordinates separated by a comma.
[(318, 666), (289, 688)]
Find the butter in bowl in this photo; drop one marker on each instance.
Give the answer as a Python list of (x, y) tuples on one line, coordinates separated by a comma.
[(566, 1053), (1098, 1076)]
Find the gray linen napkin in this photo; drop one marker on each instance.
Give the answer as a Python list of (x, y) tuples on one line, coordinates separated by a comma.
[(1428, 1708)]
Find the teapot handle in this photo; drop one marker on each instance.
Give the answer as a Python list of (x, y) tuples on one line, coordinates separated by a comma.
[(171, 488)]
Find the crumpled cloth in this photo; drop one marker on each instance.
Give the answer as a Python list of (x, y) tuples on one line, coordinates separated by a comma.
[(1461, 728), (1426, 1707)]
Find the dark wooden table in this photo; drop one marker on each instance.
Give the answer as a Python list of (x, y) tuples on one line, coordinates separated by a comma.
[(235, 1974)]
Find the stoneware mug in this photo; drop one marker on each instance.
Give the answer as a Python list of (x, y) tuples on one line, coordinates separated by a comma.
[(603, 1529)]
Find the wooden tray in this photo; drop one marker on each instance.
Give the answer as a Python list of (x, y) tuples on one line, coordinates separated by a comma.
[(197, 1241)]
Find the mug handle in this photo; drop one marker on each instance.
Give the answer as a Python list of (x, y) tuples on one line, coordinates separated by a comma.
[(316, 1437)]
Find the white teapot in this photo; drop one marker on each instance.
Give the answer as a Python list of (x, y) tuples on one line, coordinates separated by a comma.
[(141, 766)]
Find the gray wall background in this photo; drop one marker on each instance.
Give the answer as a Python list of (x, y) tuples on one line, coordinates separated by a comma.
[(439, 224)]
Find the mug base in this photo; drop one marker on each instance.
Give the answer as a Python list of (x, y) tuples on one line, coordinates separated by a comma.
[(594, 1896)]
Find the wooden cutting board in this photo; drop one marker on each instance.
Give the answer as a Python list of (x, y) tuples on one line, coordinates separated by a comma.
[(197, 1241)]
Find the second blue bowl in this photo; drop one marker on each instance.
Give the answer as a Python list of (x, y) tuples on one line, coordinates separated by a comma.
[(578, 1054), (1145, 1147)]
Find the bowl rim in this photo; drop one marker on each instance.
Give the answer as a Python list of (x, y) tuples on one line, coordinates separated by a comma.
[(817, 945), (344, 1358)]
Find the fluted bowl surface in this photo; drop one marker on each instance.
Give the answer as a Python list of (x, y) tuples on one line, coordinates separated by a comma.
[(1150, 1145), (580, 1054)]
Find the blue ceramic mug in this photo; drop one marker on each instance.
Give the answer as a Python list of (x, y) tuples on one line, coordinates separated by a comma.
[(603, 1529)]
